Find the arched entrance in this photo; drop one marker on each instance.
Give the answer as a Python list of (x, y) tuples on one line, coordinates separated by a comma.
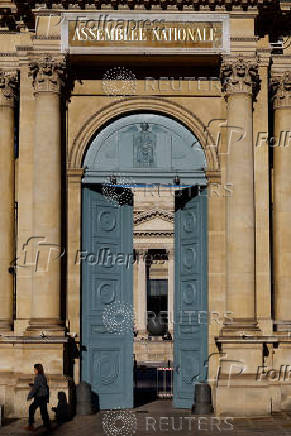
[(141, 150)]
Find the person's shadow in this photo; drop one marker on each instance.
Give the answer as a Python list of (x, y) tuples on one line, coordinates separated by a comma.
[(62, 409)]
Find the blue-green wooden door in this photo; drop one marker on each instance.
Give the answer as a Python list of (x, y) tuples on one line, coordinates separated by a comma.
[(107, 297), (190, 325)]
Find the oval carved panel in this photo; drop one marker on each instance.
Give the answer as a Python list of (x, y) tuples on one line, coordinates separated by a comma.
[(106, 292), (107, 220), (189, 293), (189, 257), (189, 222)]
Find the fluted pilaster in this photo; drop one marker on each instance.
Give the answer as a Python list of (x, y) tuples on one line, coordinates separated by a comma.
[(282, 200), (8, 84), (47, 74), (240, 83)]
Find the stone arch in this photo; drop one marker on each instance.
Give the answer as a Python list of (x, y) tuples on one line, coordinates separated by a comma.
[(140, 104)]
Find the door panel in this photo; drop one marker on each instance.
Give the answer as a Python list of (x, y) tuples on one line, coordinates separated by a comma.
[(107, 298), (190, 328)]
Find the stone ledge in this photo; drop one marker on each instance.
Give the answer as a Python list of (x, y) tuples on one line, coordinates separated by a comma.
[(33, 340), (249, 339)]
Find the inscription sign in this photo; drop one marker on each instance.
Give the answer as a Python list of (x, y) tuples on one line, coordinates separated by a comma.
[(145, 33)]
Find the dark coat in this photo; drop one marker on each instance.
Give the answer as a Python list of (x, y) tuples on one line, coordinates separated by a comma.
[(40, 388)]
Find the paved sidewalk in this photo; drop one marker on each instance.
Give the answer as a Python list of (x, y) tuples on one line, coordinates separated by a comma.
[(158, 418)]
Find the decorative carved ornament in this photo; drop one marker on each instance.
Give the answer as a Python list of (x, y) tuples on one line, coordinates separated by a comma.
[(8, 86), (239, 76), (48, 74), (153, 234), (145, 148), (141, 217), (25, 8), (282, 90), (148, 215)]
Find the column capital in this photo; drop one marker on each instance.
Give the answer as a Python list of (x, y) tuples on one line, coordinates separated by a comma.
[(8, 85), (281, 85), (239, 75), (141, 252), (48, 74)]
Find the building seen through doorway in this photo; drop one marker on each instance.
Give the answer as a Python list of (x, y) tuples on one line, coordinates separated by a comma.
[(153, 284)]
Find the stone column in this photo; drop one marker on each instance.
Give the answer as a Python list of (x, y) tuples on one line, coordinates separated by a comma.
[(240, 81), (282, 201), (142, 295), (171, 280), (7, 249), (262, 200), (47, 81), (74, 200)]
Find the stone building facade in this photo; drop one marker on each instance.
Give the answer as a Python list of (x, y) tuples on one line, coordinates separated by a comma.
[(236, 102)]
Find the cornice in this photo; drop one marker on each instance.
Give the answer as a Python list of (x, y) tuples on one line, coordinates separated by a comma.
[(213, 176), (75, 172), (280, 64), (272, 16), (17, 14), (8, 55), (75, 175), (237, 9), (244, 39), (47, 37)]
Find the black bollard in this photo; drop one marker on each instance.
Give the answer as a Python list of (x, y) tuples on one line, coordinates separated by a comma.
[(1, 415), (202, 404), (84, 405)]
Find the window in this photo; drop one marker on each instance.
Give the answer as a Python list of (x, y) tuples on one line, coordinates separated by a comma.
[(157, 306)]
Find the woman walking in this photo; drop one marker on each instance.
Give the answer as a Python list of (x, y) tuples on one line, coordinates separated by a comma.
[(40, 394)]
